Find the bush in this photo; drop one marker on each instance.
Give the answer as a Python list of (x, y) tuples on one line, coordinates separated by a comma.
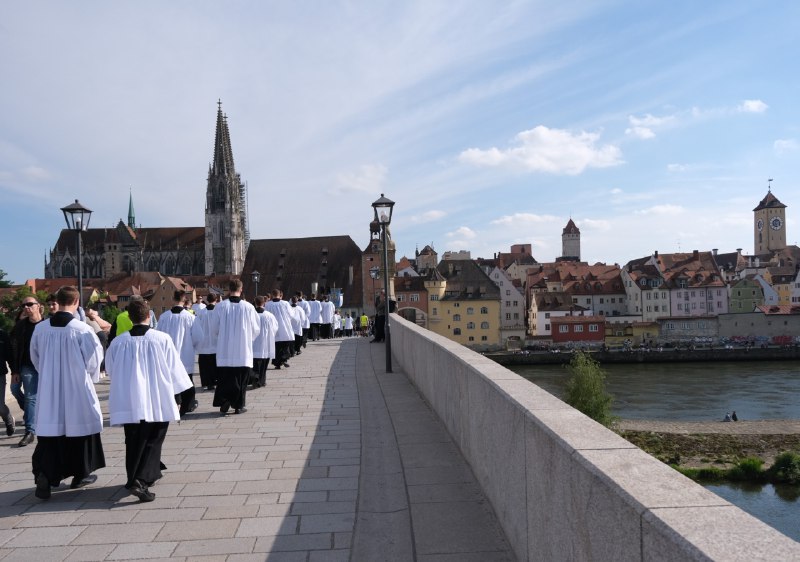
[(749, 469), (786, 469), (586, 390)]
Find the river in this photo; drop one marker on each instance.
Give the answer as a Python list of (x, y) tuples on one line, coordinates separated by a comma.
[(765, 390)]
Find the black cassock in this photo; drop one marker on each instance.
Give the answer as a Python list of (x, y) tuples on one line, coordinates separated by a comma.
[(143, 442)]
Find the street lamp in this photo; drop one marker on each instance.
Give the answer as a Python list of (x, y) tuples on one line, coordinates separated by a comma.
[(77, 217), (375, 273), (383, 215), (256, 277)]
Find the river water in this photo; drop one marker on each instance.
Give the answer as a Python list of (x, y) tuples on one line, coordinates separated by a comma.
[(760, 390)]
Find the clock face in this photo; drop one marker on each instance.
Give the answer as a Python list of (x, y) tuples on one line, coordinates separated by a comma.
[(775, 223), (760, 224)]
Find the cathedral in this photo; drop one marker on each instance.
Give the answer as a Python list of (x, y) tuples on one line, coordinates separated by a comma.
[(219, 247)]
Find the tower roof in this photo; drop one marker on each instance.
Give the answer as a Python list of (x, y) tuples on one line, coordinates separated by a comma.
[(131, 213), (571, 228), (770, 202)]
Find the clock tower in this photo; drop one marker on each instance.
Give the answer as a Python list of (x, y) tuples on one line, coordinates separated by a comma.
[(769, 225)]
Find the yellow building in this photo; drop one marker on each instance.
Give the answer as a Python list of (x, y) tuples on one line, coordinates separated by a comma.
[(464, 305)]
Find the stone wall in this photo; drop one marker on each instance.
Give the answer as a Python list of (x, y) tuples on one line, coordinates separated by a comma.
[(563, 486)]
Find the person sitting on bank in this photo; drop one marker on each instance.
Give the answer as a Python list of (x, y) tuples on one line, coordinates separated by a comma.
[(727, 417), (734, 417)]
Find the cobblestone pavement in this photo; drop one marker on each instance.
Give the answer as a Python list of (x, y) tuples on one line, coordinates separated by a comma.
[(758, 427), (335, 460)]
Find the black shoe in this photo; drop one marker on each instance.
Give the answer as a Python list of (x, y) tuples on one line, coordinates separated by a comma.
[(27, 439), (42, 487), (194, 406), (285, 364), (81, 482), (9, 425), (240, 410), (277, 367), (139, 489)]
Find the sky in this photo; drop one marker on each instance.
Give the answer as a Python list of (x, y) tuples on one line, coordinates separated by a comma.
[(653, 125)]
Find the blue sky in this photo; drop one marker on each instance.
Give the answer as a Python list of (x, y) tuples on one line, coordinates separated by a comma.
[(654, 125)]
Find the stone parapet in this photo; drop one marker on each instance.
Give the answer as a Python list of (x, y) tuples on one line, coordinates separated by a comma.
[(564, 487)]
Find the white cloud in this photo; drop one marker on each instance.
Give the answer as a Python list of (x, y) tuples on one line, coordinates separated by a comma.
[(752, 106), (616, 191), (428, 216), (677, 167), (640, 132), (35, 173), (554, 151), (524, 218), (369, 178), (463, 232), (666, 209), (594, 224), (782, 146)]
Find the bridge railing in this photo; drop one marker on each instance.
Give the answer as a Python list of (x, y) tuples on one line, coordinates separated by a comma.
[(564, 487)]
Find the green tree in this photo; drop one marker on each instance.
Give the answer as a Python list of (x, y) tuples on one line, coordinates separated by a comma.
[(586, 389), (3, 281)]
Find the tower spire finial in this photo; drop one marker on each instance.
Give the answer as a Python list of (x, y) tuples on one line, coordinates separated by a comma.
[(769, 184), (131, 213)]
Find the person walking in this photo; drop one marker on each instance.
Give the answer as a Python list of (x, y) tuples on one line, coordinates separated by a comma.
[(284, 337), (146, 373), (67, 354), (205, 345), (24, 375), (234, 325), (177, 323), (5, 357), (264, 344)]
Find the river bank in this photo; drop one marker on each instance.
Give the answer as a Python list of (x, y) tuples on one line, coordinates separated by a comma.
[(699, 444), (683, 355)]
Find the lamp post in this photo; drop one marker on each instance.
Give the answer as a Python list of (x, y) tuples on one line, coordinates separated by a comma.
[(375, 273), (77, 217), (256, 277), (383, 215)]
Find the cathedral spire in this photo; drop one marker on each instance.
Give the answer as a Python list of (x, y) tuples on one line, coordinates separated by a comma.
[(223, 153), (131, 213)]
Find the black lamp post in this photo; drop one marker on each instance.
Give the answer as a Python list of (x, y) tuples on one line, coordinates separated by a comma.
[(383, 215), (256, 277), (375, 273), (77, 217)]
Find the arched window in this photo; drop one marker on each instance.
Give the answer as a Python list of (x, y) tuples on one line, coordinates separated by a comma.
[(470, 325), (484, 325), (152, 264), (484, 310), (456, 317), (456, 331), (470, 310), (67, 268), (169, 266)]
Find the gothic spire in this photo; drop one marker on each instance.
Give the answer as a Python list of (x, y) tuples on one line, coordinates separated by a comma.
[(223, 154), (131, 214)]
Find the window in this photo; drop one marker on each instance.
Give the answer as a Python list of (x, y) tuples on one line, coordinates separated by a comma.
[(508, 316), (456, 304), (484, 325), (456, 331), (563, 329), (434, 297), (516, 316), (578, 328), (471, 338), (435, 311), (508, 292), (470, 325), (508, 303), (484, 310), (415, 297), (484, 338), (680, 306), (547, 315), (601, 300), (401, 298), (516, 303), (456, 317), (547, 327), (470, 310), (594, 328)]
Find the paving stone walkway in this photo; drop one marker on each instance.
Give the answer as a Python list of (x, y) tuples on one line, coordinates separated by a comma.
[(335, 460)]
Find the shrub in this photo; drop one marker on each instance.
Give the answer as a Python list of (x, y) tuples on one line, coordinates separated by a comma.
[(749, 469), (786, 468), (586, 390)]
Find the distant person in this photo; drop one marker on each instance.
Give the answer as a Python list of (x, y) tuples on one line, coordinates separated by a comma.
[(5, 355), (205, 344), (284, 336), (264, 344), (727, 417), (24, 374), (734, 417), (177, 323), (146, 373)]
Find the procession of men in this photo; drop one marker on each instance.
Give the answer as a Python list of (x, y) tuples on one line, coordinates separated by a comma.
[(150, 366)]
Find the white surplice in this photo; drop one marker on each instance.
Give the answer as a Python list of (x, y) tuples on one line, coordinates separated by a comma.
[(202, 338), (234, 325), (282, 311), (299, 319), (307, 309), (68, 362), (264, 344), (179, 327), (315, 314), (146, 374), (328, 309)]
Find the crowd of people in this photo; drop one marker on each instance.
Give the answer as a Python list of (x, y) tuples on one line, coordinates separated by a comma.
[(55, 359)]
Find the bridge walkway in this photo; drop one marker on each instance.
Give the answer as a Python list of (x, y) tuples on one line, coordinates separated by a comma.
[(335, 460)]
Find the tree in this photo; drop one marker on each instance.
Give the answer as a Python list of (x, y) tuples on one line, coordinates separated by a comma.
[(586, 389), (3, 281)]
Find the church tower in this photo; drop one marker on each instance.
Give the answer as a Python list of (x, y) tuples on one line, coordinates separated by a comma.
[(226, 231), (769, 225), (570, 243)]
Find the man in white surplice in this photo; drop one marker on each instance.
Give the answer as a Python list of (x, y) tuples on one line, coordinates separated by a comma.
[(264, 344), (177, 323), (234, 324), (67, 355), (146, 374)]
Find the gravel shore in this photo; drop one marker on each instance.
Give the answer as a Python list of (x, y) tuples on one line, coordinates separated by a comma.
[(757, 427)]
